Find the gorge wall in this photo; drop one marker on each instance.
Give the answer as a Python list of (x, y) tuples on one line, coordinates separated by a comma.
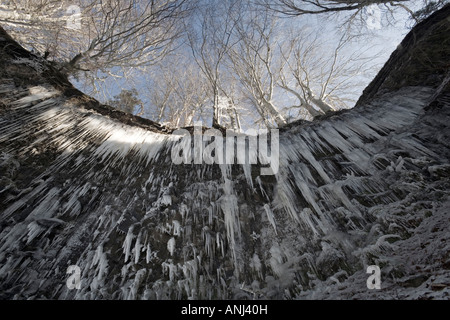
[(83, 184)]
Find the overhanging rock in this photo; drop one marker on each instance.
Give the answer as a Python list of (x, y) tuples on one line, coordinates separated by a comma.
[(84, 185)]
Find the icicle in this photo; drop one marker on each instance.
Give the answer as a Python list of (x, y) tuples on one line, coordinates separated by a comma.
[(276, 260), (149, 256), (137, 248), (270, 217), (248, 174), (171, 246), (169, 268), (136, 284), (230, 210), (263, 192), (166, 200), (176, 228), (34, 230), (100, 260), (255, 264), (219, 243), (127, 243), (307, 217)]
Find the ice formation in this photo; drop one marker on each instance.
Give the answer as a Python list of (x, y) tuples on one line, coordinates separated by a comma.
[(361, 187)]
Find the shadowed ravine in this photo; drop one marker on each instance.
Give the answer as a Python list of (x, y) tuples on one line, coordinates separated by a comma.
[(82, 184)]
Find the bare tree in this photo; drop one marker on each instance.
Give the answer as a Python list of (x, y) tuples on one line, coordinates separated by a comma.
[(129, 33), (210, 46), (39, 25), (111, 33), (178, 95), (237, 61), (301, 7), (252, 61), (318, 75), (358, 11), (429, 6)]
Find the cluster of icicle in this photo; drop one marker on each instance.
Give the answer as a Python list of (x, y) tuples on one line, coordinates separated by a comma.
[(110, 201)]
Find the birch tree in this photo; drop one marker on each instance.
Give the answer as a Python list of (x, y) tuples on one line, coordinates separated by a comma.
[(318, 75), (177, 95), (252, 61), (210, 40)]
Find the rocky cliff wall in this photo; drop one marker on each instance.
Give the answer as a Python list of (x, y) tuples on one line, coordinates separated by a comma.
[(84, 185)]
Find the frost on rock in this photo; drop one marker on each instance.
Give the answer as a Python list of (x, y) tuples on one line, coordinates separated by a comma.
[(105, 196), (82, 186)]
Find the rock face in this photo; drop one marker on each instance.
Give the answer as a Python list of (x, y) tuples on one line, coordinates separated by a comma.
[(84, 185)]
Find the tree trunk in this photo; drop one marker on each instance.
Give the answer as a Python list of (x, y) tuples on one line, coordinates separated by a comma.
[(325, 107), (313, 112), (273, 111)]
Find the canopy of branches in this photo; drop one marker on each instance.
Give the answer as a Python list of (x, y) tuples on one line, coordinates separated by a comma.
[(229, 63)]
